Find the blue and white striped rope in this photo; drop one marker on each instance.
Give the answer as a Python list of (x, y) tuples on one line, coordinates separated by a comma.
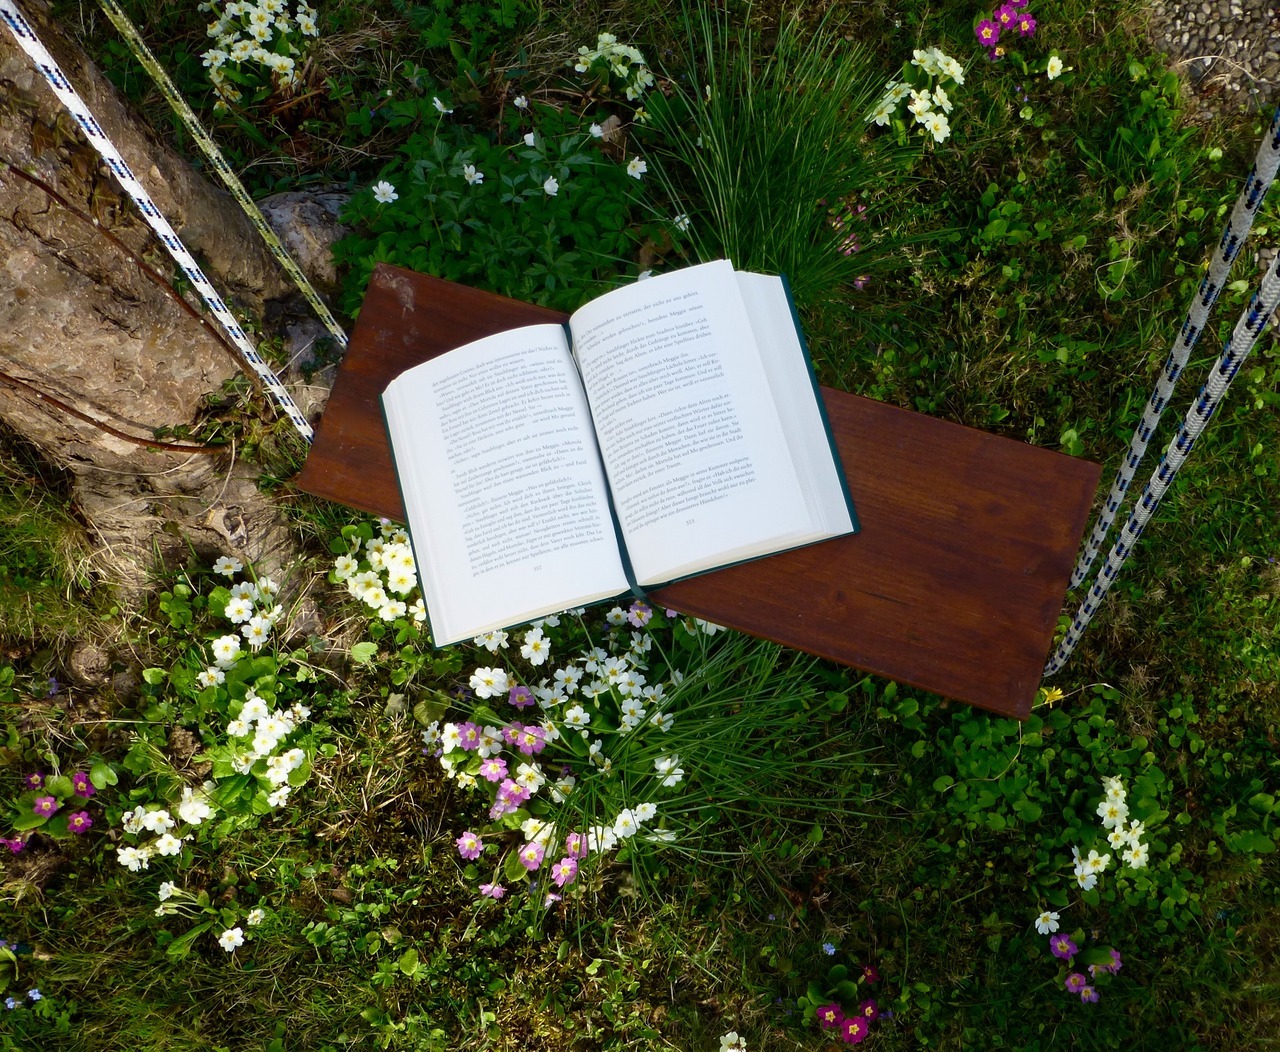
[(62, 88), (1250, 326), (1233, 237)]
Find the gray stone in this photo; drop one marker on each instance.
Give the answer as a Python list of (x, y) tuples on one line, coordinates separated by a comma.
[(88, 665), (307, 224)]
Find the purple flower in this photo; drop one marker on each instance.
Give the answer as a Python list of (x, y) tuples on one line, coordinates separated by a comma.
[(494, 769), (1026, 25), (639, 614), (468, 736), (1062, 947), (564, 872), (830, 1016), (511, 733), (870, 974), (854, 1030), (81, 784), (492, 891), (1006, 15), (15, 845), (531, 855), (45, 805), (829, 948), (987, 32), (79, 822), (1088, 995), (35, 780), (532, 740), (1111, 966), (576, 845), (1075, 982), (869, 1010), (520, 697), (512, 792), (469, 845)]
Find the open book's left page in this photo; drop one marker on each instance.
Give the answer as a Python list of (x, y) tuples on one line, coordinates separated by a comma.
[(502, 484)]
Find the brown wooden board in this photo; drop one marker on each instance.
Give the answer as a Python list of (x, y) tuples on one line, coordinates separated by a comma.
[(954, 584)]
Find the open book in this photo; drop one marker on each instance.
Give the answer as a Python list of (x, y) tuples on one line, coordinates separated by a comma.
[(672, 427)]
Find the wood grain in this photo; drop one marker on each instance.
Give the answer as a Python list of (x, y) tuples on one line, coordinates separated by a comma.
[(954, 584)]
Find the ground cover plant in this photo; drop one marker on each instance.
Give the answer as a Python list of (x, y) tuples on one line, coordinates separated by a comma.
[(282, 821)]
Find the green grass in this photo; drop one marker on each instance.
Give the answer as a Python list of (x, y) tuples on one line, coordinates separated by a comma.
[(1031, 276)]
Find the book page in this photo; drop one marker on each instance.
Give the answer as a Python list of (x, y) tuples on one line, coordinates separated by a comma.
[(697, 462), (502, 485), (786, 363)]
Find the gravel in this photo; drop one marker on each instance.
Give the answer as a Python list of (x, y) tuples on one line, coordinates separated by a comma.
[(1228, 52)]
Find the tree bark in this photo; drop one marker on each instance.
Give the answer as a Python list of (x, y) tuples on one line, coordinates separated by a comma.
[(80, 323)]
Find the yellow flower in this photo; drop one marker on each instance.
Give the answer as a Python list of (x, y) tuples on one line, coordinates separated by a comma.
[(1051, 696)]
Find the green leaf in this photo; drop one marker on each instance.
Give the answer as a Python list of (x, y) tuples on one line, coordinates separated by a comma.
[(409, 962), (102, 775), (154, 676), (59, 785), (362, 653), (30, 820), (512, 869), (181, 946)]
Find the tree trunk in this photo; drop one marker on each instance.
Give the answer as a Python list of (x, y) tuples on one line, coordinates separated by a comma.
[(80, 323)]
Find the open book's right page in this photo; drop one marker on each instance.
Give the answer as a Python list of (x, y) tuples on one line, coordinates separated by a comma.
[(697, 459)]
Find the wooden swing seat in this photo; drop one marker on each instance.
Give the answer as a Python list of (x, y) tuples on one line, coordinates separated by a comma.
[(953, 586)]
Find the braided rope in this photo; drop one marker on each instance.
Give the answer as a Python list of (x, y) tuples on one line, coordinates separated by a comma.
[(62, 88), (1233, 236), (1249, 327), (229, 179)]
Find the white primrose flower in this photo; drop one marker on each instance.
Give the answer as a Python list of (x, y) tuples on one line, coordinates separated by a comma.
[(530, 139), (159, 821), (561, 788), (617, 617), (601, 839), (551, 187), (625, 825), (211, 677), (167, 844), (472, 176), (492, 641), (132, 820), (669, 770), (245, 590), (451, 738), (536, 648), (489, 682), (530, 776), (384, 192), (1114, 813), (256, 917), (227, 566), (253, 709), (225, 650), (645, 812), (279, 796), (576, 718), (490, 743), (133, 858), (1136, 856), (193, 809), (231, 938), (1047, 923)]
